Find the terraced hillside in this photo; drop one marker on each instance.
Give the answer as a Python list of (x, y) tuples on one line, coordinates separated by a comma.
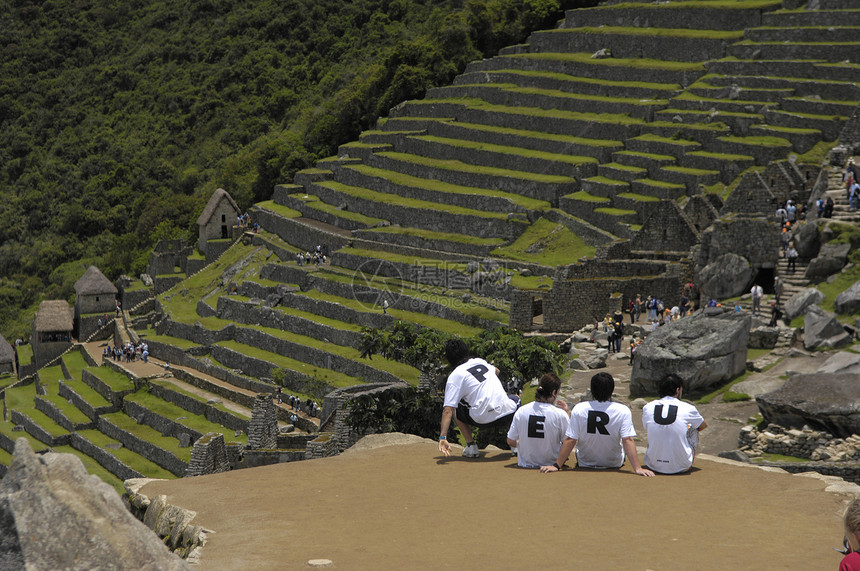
[(456, 207)]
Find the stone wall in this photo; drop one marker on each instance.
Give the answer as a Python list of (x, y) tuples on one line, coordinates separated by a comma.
[(209, 456), (68, 392), (50, 410), (651, 16), (322, 447), (263, 428), (334, 413), (33, 429), (757, 240), (209, 412), (171, 523), (300, 235), (164, 425), (105, 459), (102, 388), (150, 451)]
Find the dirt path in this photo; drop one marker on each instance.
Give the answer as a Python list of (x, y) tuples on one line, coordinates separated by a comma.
[(405, 507)]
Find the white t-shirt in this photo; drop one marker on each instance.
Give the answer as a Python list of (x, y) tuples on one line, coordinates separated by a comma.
[(668, 422), (598, 428), (540, 428), (475, 383), (756, 291)]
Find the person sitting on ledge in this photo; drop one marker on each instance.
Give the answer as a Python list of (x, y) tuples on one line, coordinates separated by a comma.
[(673, 428), (474, 396), (538, 428), (851, 561), (601, 431)]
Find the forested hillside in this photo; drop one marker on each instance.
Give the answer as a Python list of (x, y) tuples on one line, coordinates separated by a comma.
[(119, 118)]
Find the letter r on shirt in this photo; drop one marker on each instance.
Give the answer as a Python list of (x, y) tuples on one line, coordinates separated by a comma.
[(597, 421)]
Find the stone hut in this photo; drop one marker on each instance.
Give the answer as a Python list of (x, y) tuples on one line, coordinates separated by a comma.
[(95, 297), (7, 357), (216, 223), (52, 330)]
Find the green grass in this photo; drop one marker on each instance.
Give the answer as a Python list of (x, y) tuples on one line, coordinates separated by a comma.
[(51, 374), (600, 179), (843, 281), (763, 141), (507, 150), (557, 93), (25, 354), (651, 156), (658, 32), (816, 154), (315, 203), (615, 211), (75, 363), (667, 140), (531, 282), (396, 200), (638, 197), (86, 392), (443, 236), (183, 344), (448, 188), (690, 171), (621, 167), (279, 209), (768, 457), (661, 183), (113, 379), (563, 77), (548, 244), (205, 400), (403, 259), (308, 316), (69, 410), (586, 197)]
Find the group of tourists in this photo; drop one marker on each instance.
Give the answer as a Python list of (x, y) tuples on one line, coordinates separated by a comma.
[(320, 256), (544, 433), (852, 185), (245, 221), (308, 406), (129, 352)]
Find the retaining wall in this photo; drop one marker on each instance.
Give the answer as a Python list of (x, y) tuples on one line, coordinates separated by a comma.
[(107, 460), (150, 451), (194, 406)]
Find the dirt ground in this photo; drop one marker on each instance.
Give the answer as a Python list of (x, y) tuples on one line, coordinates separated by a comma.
[(406, 507)]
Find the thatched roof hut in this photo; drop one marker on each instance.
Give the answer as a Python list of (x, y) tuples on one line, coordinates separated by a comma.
[(212, 206), (94, 282), (7, 353), (54, 315)]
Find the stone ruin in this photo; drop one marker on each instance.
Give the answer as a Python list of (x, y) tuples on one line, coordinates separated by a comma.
[(209, 456), (263, 428)]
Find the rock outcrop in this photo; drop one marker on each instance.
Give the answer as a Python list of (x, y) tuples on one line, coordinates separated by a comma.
[(799, 302), (703, 350), (54, 515), (849, 300), (822, 330), (728, 276), (822, 400)]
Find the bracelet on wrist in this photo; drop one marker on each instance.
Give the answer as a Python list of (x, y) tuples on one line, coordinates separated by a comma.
[(557, 467), (443, 438)]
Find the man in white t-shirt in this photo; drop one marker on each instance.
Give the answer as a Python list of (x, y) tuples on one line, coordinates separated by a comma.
[(601, 431), (673, 429), (474, 396), (538, 428), (756, 292)]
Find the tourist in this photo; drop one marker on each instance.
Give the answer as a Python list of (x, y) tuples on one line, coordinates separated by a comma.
[(851, 561), (792, 256), (775, 313), (638, 304), (784, 239), (385, 306), (293, 419), (601, 431), (673, 428), (828, 208), (781, 215), (631, 310), (777, 289), (278, 395), (538, 428), (474, 396), (683, 304), (853, 195), (791, 210), (756, 292)]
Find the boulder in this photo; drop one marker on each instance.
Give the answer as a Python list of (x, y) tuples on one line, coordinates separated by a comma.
[(703, 350), (758, 385), (57, 516), (763, 337), (834, 250), (849, 300), (822, 330), (806, 240), (727, 276), (821, 267), (797, 304), (842, 362), (825, 401), (577, 365), (597, 360)]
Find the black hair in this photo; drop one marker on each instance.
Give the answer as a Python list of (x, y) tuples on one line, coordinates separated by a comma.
[(667, 386), (549, 385), (456, 351), (602, 385)]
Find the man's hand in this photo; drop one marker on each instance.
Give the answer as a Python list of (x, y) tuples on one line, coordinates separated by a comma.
[(445, 448), (548, 469), (563, 406), (643, 472)]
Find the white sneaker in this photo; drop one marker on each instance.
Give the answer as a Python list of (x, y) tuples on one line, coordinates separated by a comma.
[(471, 451), (514, 451)]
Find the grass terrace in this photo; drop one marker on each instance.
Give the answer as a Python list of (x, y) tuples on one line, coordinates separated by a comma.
[(181, 416), (328, 376), (502, 149), (25, 354), (149, 434), (403, 259), (306, 315), (656, 32), (448, 188), (113, 379), (637, 63), (586, 197), (86, 392), (633, 101), (422, 319), (442, 236), (816, 154), (615, 211), (131, 459), (548, 244), (183, 344), (75, 363), (315, 203), (710, 4), (563, 77), (385, 198), (279, 209), (51, 374), (638, 197), (763, 141), (205, 400)]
